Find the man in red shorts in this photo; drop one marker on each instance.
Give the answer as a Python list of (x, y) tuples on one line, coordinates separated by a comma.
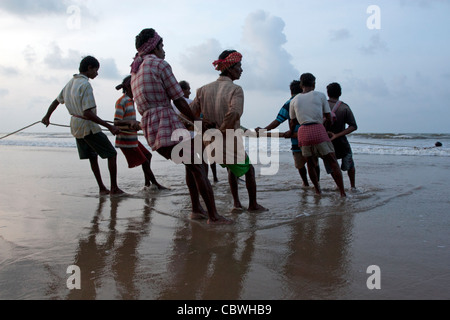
[(133, 150), (309, 109)]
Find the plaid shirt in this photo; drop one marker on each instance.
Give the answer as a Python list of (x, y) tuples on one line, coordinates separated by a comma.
[(154, 85)]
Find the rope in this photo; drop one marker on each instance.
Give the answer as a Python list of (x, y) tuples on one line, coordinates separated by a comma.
[(190, 122), (31, 125), (57, 125)]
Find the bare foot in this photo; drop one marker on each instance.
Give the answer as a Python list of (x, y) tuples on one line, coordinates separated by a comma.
[(117, 192), (220, 221), (202, 215), (237, 210), (104, 192), (160, 187), (257, 208)]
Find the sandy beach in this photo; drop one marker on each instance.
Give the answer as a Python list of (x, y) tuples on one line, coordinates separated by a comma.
[(145, 247)]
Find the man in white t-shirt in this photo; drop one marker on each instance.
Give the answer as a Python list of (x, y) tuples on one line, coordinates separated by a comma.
[(309, 109), (79, 99)]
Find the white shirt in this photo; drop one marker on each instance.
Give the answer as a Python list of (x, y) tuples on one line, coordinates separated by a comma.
[(78, 96), (309, 107)]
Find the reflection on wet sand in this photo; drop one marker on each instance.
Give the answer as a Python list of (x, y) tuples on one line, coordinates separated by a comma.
[(318, 253), (117, 255), (207, 264), (317, 265), (204, 263)]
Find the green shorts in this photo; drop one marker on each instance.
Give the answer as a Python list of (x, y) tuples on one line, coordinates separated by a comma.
[(238, 170), (95, 145)]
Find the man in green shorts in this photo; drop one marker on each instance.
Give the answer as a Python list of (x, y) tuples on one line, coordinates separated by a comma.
[(222, 103)]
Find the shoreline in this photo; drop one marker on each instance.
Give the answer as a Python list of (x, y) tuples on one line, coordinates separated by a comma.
[(145, 246)]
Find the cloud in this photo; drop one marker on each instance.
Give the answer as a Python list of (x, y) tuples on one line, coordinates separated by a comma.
[(339, 35), (199, 58), (33, 7), (422, 3), (3, 92), (8, 71), (376, 45), (108, 69), (375, 87), (56, 60), (268, 64), (29, 54)]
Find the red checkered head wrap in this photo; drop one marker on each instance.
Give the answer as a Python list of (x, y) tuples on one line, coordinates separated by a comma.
[(231, 60), (145, 49)]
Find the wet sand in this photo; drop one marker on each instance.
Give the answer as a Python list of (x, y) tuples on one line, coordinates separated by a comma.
[(145, 247)]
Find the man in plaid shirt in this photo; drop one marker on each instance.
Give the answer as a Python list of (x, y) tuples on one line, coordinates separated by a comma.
[(154, 86)]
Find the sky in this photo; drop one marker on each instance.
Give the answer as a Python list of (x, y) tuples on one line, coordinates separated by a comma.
[(391, 57)]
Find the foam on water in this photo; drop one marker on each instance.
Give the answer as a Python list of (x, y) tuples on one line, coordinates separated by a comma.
[(366, 143)]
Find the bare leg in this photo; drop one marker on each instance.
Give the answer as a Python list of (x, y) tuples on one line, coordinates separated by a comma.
[(233, 182), (112, 165), (250, 182), (351, 175), (98, 177), (337, 173), (304, 176), (198, 173), (148, 174), (214, 171), (313, 174), (198, 212)]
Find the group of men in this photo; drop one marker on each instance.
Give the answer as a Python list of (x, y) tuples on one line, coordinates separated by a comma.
[(159, 98)]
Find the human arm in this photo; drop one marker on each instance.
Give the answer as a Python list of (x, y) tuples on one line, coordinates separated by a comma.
[(327, 122), (90, 115), (131, 124), (348, 118), (184, 108), (292, 124), (334, 136), (273, 125), (51, 109)]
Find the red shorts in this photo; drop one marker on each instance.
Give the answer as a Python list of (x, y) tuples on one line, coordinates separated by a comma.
[(312, 134), (136, 156)]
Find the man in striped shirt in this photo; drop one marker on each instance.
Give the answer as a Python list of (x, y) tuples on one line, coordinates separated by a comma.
[(133, 150)]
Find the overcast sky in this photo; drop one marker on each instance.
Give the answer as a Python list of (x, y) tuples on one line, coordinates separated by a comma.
[(391, 57)]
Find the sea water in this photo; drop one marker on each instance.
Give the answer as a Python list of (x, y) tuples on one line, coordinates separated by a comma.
[(405, 144)]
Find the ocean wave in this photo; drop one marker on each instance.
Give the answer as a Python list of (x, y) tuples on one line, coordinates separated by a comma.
[(366, 143), (402, 136)]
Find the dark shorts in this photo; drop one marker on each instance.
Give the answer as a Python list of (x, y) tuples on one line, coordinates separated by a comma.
[(95, 145), (347, 164), (136, 156)]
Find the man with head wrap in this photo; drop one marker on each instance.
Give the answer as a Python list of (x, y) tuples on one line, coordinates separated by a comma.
[(222, 103), (154, 86)]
